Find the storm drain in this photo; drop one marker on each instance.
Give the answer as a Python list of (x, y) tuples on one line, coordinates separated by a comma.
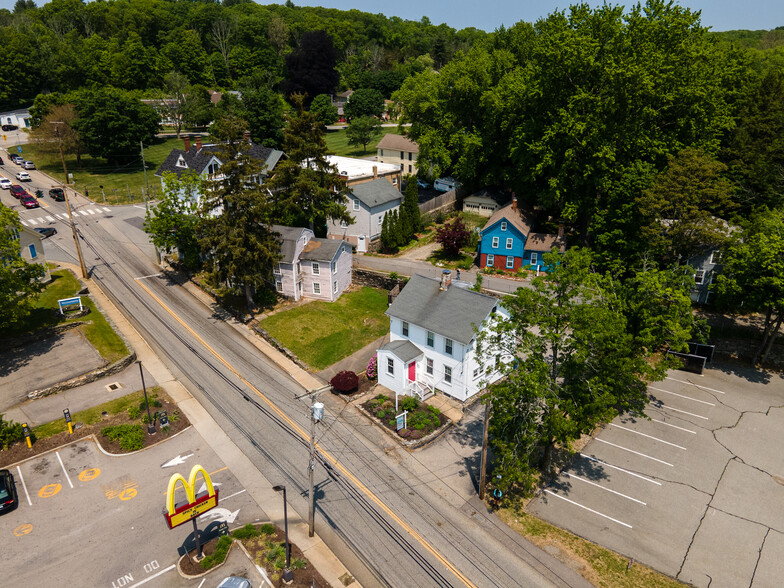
[(113, 386)]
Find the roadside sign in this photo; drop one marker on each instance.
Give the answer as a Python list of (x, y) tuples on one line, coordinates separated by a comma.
[(164, 419), (67, 414), (194, 505), (19, 149), (67, 303), (401, 420)]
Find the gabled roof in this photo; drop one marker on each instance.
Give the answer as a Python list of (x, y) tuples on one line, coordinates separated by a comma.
[(398, 143), (493, 194), (516, 218), (289, 237), (197, 159), (403, 349), (376, 192), (544, 242), (452, 313), (321, 249)]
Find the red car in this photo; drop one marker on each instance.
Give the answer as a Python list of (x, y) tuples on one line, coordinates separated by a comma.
[(29, 201), (17, 191)]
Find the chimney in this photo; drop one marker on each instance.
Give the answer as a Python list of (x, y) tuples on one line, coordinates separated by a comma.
[(446, 279), (375, 172), (246, 136), (514, 202), (560, 231), (198, 142), (187, 140)]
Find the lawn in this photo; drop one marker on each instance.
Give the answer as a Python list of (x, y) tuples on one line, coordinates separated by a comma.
[(337, 143), (97, 330), (117, 182), (322, 333)]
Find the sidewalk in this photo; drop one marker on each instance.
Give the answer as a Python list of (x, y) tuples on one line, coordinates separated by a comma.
[(356, 362)]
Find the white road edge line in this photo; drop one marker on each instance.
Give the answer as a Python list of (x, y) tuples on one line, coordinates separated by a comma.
[(697, 385), (150, 276), (648, 436), (232, 495), (171, 567), (681, 396), (67, 477), (635, 452), (620, 469), (662, 405), (586, 508), (675, 427), (603, 488), (21, 477)]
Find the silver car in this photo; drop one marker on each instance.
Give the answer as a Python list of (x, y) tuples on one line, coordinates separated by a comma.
[(28, 165)]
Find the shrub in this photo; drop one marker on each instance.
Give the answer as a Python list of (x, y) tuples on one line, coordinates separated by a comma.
[(134, 412), (129, 437), (434, 409), (246, 532), (298, 563), (154, 403), (267, 529), (372, 368), (409, 403), (276, 556), (221, 549), (345, 381), (394, 276), (10, 432)]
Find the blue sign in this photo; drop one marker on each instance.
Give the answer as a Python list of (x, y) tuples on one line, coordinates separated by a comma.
[(19, 149), (64, 303), (401, 420)]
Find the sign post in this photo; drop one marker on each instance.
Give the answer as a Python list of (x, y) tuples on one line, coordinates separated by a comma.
[(67, 414), (64, 303), (194, 505), (163, 418), (401, 420)]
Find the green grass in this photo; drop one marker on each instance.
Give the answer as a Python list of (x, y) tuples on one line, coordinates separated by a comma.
[(93, 415), (97, 330), (116, 181), (322, 333), (337, 143)]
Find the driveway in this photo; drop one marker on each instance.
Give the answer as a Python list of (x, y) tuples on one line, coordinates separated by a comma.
[(692, 491)]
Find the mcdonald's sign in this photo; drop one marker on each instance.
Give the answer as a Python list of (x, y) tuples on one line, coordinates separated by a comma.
[(177, 514)]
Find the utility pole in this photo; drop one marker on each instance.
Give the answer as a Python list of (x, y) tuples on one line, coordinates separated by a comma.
[(144, 165), (147, 197), (316, 415), (68, 204), (483, 472)]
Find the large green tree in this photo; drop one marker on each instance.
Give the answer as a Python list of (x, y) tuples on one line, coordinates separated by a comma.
[(326, 112), (263, 108), (364, 102), (363, 130)]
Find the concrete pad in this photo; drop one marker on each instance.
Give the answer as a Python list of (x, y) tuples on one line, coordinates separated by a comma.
[(724, 552), (749, 493), (757, 439), (770, 569)]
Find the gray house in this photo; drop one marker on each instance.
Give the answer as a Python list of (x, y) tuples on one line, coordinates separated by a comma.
[(707, 265), (368, 203), (311, 267)]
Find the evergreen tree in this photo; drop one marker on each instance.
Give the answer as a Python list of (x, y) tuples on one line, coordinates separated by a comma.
[(411, 203), (385, 239), (397, 229), (406, 232)]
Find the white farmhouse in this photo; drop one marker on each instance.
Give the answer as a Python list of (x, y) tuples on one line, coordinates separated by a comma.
[(433, 339)]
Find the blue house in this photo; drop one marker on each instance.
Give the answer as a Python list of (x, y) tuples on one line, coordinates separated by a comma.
[(507, 243)]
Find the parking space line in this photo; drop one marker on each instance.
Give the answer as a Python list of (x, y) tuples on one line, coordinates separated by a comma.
[(675, 427), (170, 568), (30, 502), (592, 458), (603, 488), (67, 477), (648, 436), (50, 219), (635, 452), (696, 385), (682, 396), (232, 495), (662, 405), (588, 509)]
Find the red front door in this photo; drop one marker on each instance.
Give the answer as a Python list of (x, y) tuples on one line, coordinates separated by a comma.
[(412, 371)]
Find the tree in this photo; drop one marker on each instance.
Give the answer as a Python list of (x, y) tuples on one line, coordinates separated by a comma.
[(452, 236), (411, 204), (111, 123), (173, 222), (387, 238), (326, 112), (362, 131), (235, 232), (18, 279), (364, 102), (173, 100), (263, 108), (305, 186), (396, 230), (752, 274), (56, 130), (198, 110), (311, 66)]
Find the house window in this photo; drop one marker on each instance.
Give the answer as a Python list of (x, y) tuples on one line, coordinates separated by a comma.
[(343, 224), (381, 152), (380, 219), (715, 257), (478, 372), (699, 277), (509, 242), (276, 271), (316, 288), (402, 155), (447, 374), (490, 260), (431, 338), (316, 269), (429, 366), (534, 258), (394, 180), (410, 155), (279, 285), (213, 168), (390, 366), (405, 329), (503, 225), (335, 287), (409, 169), (356, 203), (510, 262), (495, 242), (333, 267), (181, 162), (448, 346)]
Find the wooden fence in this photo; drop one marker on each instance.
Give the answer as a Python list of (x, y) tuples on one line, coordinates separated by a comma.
[(440, 201)]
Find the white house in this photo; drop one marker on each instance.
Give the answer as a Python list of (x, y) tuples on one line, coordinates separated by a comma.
[(433, 339)]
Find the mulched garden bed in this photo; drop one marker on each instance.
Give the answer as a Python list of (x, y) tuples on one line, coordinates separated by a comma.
[(365, 385), (422, 418)]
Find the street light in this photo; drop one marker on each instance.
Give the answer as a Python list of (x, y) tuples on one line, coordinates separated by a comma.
[(150, 424), (288, 575)]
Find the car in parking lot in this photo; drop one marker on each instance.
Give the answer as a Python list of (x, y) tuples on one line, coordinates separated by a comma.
[(8, 498), (10, 127), (46, 231), (17, 191), (1, 161), (57, 194), (28, 165), (23, 177), (5, 184), (29, 201)]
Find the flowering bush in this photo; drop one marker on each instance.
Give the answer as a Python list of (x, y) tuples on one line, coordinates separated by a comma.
[(372, 368), (345, 381)]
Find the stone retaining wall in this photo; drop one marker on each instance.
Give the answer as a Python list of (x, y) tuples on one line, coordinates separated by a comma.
[(96, 374), (364, 277), (277, 345)]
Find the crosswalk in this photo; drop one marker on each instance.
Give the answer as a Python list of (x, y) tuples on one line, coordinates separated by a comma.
[(28, 222)]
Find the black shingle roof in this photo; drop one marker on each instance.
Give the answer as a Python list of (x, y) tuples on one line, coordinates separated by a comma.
[(197, 159)]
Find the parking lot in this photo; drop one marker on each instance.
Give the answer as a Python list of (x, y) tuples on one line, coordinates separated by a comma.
[(696, 490), (94, 519)]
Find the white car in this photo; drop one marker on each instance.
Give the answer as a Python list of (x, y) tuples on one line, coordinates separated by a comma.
[(5, 184), (23, 177)]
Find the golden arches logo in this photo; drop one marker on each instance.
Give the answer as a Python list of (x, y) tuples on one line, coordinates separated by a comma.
[(177, 514)]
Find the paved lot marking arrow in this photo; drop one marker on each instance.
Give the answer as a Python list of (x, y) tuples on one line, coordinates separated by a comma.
[(221, 514), (175, 461)]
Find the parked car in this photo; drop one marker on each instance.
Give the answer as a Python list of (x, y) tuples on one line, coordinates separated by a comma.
[(46, 231), (57, 194), (29, 201), (235, 582), (1, 161), (5, 184), (8, 498), (18, 160), (28, 165), (17, 191), (10, 127), (23, 177)]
